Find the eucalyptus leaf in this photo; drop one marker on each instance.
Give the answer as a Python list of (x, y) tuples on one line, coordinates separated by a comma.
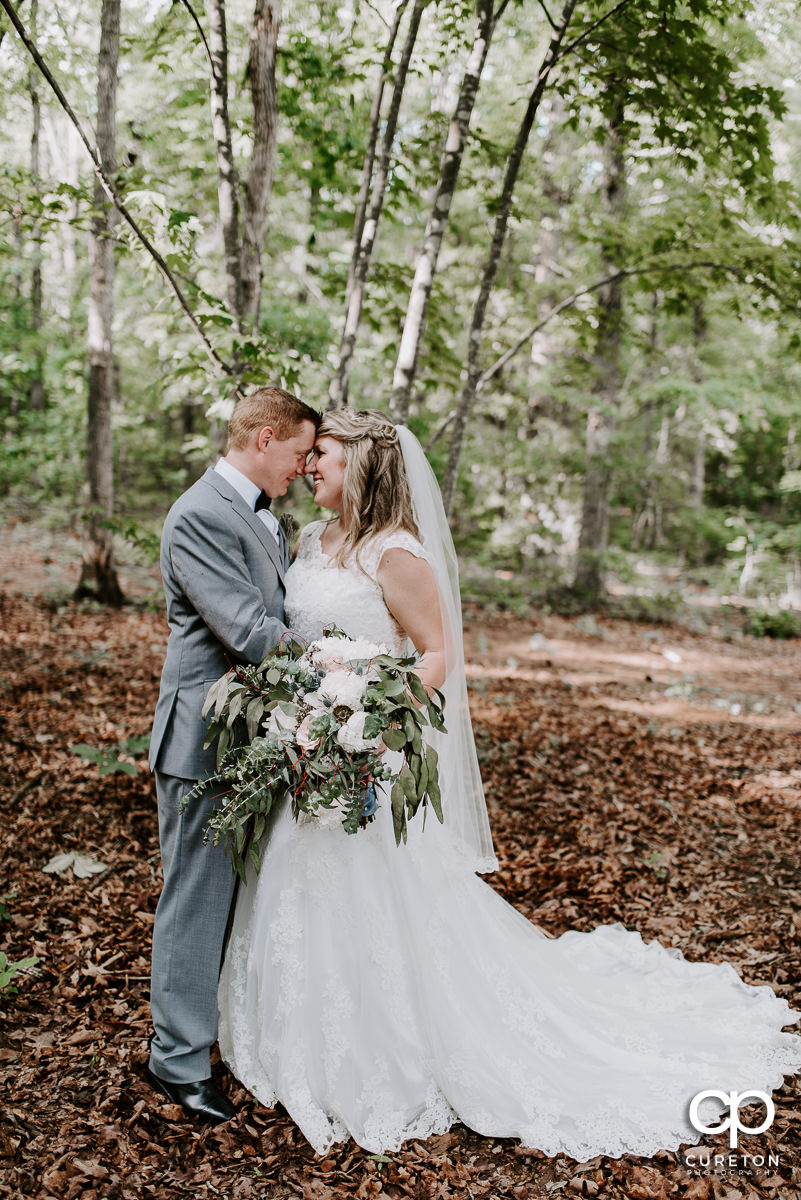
[(394, 739), (235, 706), (397, 800), (253, 716)]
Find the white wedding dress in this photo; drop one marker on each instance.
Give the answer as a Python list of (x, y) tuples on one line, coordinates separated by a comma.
[(383, 993)]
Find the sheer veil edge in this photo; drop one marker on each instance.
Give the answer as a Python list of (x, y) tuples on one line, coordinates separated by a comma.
[(463, 802)]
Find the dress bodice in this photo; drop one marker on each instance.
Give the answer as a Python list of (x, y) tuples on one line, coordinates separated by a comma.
[(320, 592)]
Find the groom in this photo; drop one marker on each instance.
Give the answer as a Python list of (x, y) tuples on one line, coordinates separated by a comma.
[(223, 558)]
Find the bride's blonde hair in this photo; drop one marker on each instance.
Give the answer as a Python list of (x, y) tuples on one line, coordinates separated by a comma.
[(375, 492)]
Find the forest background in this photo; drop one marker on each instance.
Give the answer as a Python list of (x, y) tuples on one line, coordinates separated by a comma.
[(562, 243)]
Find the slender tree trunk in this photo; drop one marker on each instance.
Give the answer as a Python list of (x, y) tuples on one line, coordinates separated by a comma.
[(19, 315), (227, 185), (589, 579), (261, 73), (420, 297), (98, 573), (698, 478), (366, 221), (372, 145), (504, 208), (37, 394)]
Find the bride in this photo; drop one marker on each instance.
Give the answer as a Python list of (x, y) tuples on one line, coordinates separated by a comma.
[(383, 993)]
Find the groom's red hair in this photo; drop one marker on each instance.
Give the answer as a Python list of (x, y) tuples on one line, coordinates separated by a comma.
[(268, 406)]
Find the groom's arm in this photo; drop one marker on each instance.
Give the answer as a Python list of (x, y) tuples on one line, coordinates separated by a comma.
[(209, 564)]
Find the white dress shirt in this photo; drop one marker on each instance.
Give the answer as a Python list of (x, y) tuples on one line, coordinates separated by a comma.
[(250, 492)]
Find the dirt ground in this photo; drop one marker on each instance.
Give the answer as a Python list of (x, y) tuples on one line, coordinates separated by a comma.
[(635, 773)]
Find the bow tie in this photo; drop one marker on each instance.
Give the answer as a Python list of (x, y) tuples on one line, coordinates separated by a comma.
[(262, 501)]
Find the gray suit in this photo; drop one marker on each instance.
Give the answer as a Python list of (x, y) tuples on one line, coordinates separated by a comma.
[(223, 578)]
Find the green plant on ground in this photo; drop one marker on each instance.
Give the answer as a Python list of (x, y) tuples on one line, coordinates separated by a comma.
[(783, 624), (111, 760), (9, 970)]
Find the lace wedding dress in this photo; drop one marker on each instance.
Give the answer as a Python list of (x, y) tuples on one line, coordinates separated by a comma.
[(383, 993)]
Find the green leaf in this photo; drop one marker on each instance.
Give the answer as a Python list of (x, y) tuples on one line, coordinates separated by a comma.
[(393, 687), (216, 696), (394, 739), (435, 798), (253, 716), (397, 800), (222, 746), (432, 766), (110, 766), (255, 855), (235, 707), (407, 782), (8, 969)]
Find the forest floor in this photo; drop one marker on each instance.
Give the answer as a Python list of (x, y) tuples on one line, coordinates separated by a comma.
[(635, 773)]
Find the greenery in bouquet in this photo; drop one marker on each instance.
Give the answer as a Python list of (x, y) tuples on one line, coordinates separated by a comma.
[(313, 721)]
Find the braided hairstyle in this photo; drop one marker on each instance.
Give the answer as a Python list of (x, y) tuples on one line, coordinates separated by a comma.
[(375, 492)]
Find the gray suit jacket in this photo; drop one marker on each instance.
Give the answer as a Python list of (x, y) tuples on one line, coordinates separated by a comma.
[(224, 582)]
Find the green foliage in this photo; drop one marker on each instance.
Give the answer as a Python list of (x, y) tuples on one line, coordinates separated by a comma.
[(114, 760), (662, 608), (145, 541), (279, 731), (780, 624), (9, 971), (709, 336)]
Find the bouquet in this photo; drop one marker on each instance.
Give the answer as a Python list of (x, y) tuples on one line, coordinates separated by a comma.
[(313, 721)]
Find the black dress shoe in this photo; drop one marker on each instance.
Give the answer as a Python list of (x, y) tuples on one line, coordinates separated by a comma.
[(202, 1100)]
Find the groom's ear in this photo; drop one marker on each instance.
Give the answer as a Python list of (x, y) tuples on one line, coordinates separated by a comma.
[(263, 438)]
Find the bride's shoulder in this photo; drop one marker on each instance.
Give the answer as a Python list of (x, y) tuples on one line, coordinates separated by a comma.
[(312, 531), (391, 539), (309, 537)]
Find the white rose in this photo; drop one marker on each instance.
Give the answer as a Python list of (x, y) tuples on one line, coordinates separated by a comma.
[(351, 735), (303, 737), (360, 648), (343, 687)]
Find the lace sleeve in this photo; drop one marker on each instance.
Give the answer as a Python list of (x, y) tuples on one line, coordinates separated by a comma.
[(308, 535), (398, 539)]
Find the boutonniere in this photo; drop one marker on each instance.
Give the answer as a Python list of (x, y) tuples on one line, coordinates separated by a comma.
[(290, 527)]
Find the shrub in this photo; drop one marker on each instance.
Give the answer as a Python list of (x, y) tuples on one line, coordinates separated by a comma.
[(781, 624)]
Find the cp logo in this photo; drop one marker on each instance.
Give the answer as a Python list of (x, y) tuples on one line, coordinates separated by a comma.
[(732, 1122)]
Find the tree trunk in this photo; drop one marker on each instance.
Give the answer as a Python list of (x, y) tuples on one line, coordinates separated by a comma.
[(366, 223), (227, 185), (261, 73), (37, 394), (98, 574), (698, 480), (589, 580), (420, 296), (504, 208), (372, 145)]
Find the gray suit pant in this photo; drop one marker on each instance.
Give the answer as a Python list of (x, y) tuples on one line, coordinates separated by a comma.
[(188, 934)]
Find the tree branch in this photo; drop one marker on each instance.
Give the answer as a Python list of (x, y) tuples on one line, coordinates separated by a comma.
[(110, 188), (582, 37), (548, 16), (196, 19), (501, 9), (614, 277)]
